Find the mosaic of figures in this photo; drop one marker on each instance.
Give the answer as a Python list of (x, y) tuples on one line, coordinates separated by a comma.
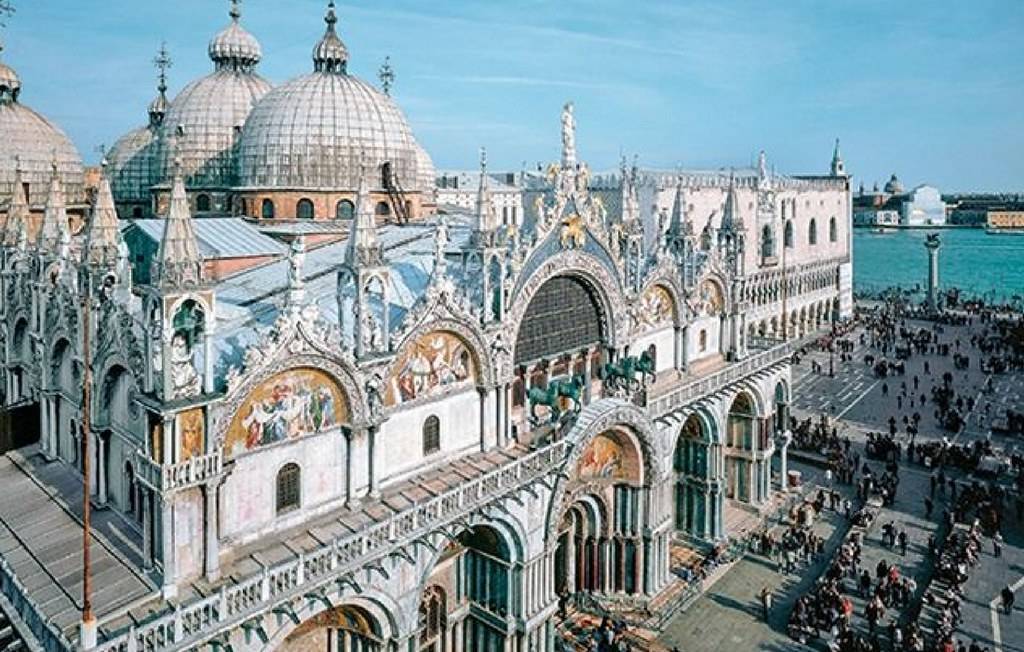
[(602, 460), (654, 308), (709, 301), (434, 364), (192, 426), (289, 405)]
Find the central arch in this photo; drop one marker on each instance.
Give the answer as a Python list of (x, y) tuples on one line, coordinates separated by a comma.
[(563, 315), (698, 465)]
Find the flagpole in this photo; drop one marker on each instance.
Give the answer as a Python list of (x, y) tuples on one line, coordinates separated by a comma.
[(88, 626)]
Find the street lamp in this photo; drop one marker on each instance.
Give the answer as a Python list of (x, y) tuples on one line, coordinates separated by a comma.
[(832, 344)]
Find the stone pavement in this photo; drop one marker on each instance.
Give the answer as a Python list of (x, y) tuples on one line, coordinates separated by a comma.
[(728, 616)]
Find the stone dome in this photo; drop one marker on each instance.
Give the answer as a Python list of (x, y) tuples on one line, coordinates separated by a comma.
[(203, 122), (34, 143), (131, 162), (311, 132), (135, 156), (893, 186), (425, 170)]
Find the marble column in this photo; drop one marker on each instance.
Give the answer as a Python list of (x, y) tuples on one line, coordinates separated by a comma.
[(350, 497), (170, 589), (147, 529), (212, 531), (374, 461), (101, 470)]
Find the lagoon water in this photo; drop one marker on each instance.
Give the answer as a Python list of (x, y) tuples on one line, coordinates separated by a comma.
[(970, 259)]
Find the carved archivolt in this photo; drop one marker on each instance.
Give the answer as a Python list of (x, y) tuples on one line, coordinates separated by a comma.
[(581, 265), (296, 340)]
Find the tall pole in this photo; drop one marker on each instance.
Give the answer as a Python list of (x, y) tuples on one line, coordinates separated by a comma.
[(88, 630), (785, 283)]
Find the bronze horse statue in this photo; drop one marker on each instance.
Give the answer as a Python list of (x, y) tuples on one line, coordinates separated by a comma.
[(551, 396), (624, 373)]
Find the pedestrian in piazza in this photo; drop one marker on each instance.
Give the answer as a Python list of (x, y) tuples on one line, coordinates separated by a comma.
[(766, 602)]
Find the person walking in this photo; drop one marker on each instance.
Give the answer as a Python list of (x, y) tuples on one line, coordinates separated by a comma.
[(1008, 598), (928, 505), (997, 545), (766, 602), (903, 542)]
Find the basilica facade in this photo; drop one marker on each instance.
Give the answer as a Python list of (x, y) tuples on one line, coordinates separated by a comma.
[(415, 438)]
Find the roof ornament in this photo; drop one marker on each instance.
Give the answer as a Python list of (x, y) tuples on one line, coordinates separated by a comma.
[(330, 53), (485, 214), (568, 136), (236, 11), (386, 75), (233, 47), (158, 107), (10, 83)]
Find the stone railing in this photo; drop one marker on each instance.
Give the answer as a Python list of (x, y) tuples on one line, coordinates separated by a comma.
[(48, 635), (172, 477), (192, 471), (681, 395), (194, 622)]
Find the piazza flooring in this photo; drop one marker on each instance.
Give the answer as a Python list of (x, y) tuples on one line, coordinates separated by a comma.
[(729, 616)]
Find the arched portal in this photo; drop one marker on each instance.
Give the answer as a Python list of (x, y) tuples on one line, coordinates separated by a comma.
[(477, 570), (781, 407), (697, 461), (600, 535), (346, 627), (741, 444)]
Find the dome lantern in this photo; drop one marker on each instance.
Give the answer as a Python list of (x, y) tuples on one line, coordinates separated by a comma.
[(158, 107), (10, 83), (330, 54), (234, 48)]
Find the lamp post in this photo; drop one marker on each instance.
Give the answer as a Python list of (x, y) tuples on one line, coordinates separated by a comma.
[(832, 344)]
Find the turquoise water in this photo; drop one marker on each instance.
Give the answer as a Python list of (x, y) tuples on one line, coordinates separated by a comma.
[(970, 259)]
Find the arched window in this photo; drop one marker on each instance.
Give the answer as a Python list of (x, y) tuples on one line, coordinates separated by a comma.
[(703, 341), (345, 210), (202, 203), (433, 617), (289, 488), (788, 234), (304, 209), (431, 435), (767, 242), (137, 212), (382, 209), (812, 232), (564, 315), (267, 210), (833, 231)]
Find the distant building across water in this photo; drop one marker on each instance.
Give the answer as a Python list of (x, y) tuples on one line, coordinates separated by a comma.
[(892, 206)]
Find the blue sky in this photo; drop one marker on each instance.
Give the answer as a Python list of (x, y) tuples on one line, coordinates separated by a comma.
[(930, 90)]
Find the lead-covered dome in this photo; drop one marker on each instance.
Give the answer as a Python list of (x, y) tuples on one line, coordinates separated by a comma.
[(312, 131), (203, 122), (134, 157), (33, 142)]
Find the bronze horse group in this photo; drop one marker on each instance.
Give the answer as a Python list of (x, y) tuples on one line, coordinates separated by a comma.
[(629, 373)]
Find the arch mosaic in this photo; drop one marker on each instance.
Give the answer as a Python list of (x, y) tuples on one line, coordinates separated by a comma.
[(595, 420), (384, 609), (288, 405)]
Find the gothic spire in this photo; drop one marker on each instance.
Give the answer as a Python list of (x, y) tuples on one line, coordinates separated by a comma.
[(677, 218), (16, 228), (178, 263), (486, 221), (363, 247), (731, 212), (55, 219), (103, 235), (630, 201), (838, 168)]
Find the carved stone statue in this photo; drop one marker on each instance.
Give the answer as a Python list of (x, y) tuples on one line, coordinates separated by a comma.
[(373, 335), (184, 378), (374, 395), (295, 261), (568, 135)]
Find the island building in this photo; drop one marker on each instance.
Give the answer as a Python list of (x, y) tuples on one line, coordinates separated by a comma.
[(411, 436), (893, 206)]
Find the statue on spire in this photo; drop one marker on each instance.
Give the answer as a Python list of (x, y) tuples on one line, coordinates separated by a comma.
[(163, 62), (568, 136)]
